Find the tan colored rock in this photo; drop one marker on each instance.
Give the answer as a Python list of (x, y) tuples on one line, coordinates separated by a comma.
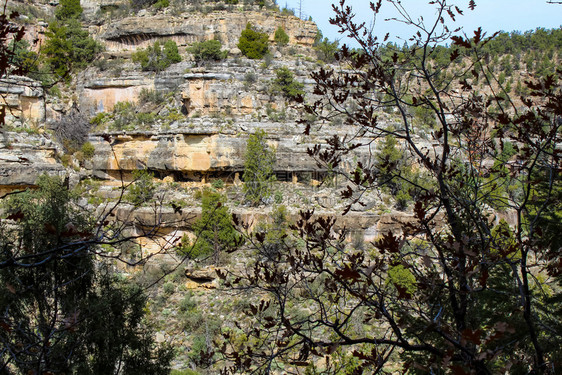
[(136, 32), (25, 99)]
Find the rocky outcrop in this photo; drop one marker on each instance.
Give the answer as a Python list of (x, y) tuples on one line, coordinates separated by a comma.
[(24, 100), (25, 157), (131, 33), (193, 151), (221, 90)]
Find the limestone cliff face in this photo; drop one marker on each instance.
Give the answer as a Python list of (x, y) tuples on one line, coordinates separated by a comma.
[(194, 153), (220, 89), (25, 157), (24, 99), (136, 32), (205, 93)]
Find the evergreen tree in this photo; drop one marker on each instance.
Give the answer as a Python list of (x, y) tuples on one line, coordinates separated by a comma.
[(68, 45), (253, 44), (68, 9), (258, 169), (207, 51), (155, 58), (286, 84), (61, 309), (281, 36), (214, 230)]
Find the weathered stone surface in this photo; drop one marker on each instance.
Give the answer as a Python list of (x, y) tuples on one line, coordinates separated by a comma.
[(25, 99), (200, 149), (23, 158), (136, 32)]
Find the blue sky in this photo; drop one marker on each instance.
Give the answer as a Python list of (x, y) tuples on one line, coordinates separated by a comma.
[(492, 15)]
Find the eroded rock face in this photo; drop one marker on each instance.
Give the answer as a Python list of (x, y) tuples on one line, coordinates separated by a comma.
[(192, 152), (222, 89), (101, 93), (24, 99), (23, 158), (132, 33)]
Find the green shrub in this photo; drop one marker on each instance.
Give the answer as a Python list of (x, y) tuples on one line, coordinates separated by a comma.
[(286, 84), (187, 304), (123, 115), (186, 371), (67, 46), (287, 11), (253, 44), (161, 4), (88, 150), (171, 52), (207, 51), (281, 36), (169, 288), (25, 59), (142, 189), (214, 230), (267, 60), (258, 169), (156, 58), (325, 49), (68, 9), (199, 349), (218, 184), (250, 78), (278, 197), (425, 117), (65, 159), (151, 96)]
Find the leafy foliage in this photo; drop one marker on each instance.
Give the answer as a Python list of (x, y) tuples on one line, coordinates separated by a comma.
[(215, 232), (285, 84), (258, 169), (24, 58), (253, 44), (68, 45), (62, 311), (161, 4), (143, 187), (157, 58), (68, 9), (455, 290), (209, 50), (281, 36)]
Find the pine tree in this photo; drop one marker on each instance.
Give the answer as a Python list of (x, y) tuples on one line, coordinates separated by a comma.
[(214, 231), (61, 308), (258, 169)]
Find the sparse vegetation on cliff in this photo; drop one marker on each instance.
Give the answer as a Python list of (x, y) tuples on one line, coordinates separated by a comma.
[(286, 84), (258, 169), (68, 45), (252, 43), (410, 163), (157, 57), (209, 50)]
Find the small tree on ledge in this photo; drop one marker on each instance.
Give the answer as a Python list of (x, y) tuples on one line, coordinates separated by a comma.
[(253, 44), (258, 169)]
